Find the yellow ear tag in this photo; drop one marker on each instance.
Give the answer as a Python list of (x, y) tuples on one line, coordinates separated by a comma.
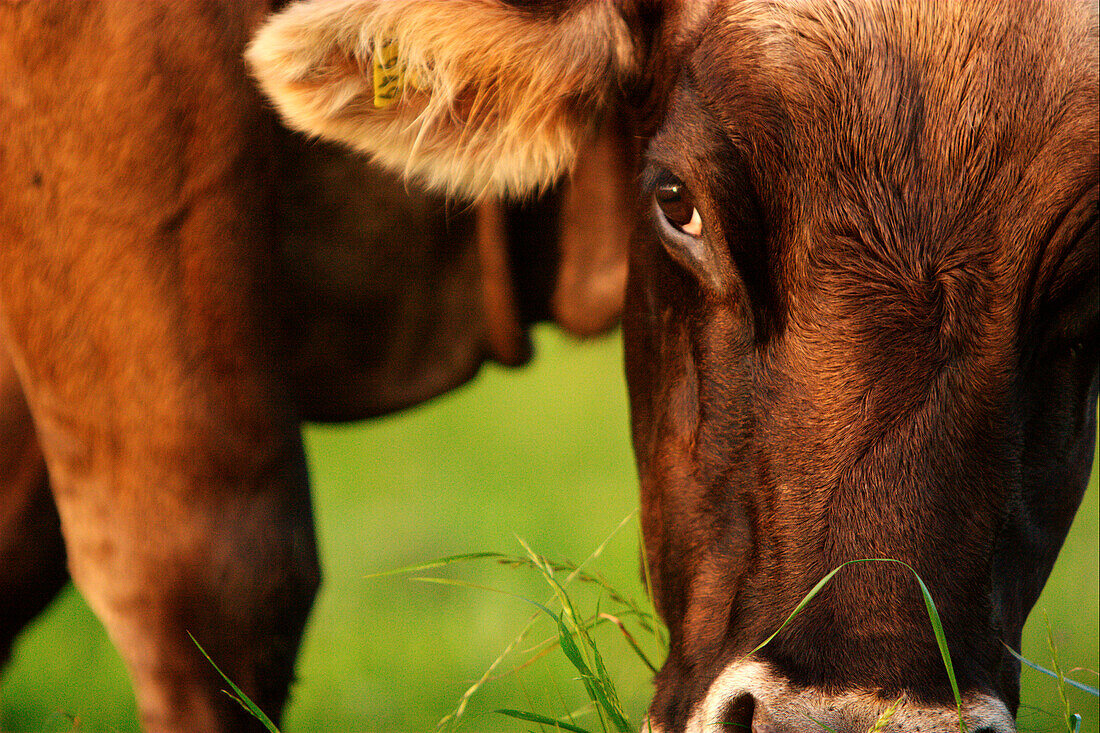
[(389, 75)]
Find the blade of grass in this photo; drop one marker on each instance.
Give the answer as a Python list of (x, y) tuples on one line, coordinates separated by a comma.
[(821, 725), (576, 572), (542, 720), (941, 641), (930, 607), (602, 546), (1066, 714), (241, 698), (1039, 668), (594, 675), (659, 634), (529, 704), (605, 681), (644, 617), (887, 716), (434, 564), (630, 640), (589, 679)]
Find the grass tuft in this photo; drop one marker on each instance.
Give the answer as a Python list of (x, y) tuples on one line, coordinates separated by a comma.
[(574, 638), (576, 643), (572, 635)]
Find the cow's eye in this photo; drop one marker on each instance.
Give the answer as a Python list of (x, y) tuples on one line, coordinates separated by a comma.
[(676, 204)]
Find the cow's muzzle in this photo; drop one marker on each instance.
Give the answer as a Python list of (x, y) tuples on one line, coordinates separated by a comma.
[(750, 696)]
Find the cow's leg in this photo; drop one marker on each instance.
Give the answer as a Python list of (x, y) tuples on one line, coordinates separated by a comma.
[(223, 553), (177, 470), (32, 554), (181, 489), (134, 226)]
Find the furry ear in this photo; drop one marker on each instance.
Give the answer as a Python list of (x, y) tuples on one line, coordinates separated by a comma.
[(597, 217), (474, 97)]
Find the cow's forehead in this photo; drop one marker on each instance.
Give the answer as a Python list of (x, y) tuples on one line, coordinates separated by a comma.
[(948, 92), (952, 43)]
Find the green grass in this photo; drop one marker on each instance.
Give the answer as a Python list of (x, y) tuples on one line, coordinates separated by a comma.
[(574, 639), (540, 453)]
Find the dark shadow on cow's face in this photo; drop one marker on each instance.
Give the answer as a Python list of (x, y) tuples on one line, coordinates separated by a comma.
[(883, 344)]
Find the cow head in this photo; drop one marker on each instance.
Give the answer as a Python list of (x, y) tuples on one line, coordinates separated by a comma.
[(861, 313)]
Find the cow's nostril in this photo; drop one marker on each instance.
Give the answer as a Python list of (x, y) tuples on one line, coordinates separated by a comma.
[(738, 714)]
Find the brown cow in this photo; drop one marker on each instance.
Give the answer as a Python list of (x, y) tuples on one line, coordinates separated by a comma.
[(860, 319), (861, 315)]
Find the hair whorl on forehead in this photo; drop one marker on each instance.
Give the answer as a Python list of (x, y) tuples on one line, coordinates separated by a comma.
[(479, 97)]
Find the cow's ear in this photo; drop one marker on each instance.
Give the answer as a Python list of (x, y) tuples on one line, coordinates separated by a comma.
[(596, 221), (474, 97)]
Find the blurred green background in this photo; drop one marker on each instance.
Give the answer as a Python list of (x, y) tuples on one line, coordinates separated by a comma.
[(541, 454)]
